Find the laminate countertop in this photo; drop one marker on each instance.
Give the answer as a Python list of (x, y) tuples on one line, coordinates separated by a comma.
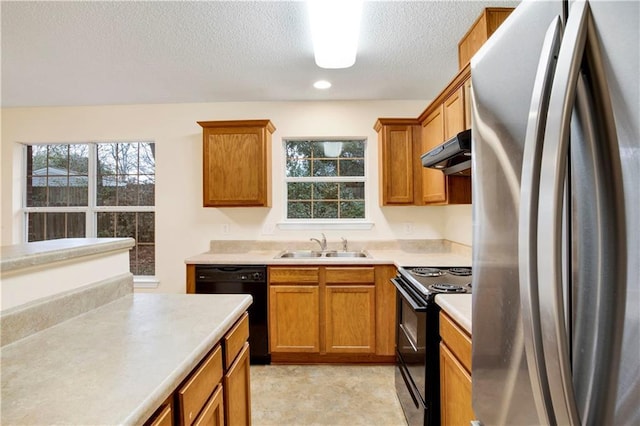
[(115, 364), (375, 257), (458, 306)]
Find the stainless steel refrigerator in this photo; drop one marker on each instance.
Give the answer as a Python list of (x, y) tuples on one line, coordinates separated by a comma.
[(556, 216)]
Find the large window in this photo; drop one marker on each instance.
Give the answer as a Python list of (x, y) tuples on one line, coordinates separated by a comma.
[(93, 190), (325, 179)]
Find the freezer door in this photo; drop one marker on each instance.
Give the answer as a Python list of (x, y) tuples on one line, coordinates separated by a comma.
[(502, 79)]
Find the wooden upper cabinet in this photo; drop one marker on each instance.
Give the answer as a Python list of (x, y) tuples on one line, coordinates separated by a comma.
[(433, 181), (237, 163), (486, 24), (397, 139), (454, 114)]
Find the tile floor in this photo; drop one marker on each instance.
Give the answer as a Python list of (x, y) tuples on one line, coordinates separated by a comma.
[(296, 395)]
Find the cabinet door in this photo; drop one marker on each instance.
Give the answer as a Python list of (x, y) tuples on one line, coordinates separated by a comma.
[(350, 319), (396, 160), (294, 318), (236, 164), (237, 391), (455, 390), (213, 412), (454, 114), (433, 181)]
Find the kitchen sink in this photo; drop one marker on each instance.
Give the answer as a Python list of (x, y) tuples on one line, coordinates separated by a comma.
[(306, 254)]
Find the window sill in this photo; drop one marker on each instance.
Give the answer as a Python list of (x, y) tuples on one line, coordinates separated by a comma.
[(145, 281), (325, 225)]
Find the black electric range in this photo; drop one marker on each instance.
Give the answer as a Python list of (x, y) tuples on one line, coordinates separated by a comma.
[(417, 343)]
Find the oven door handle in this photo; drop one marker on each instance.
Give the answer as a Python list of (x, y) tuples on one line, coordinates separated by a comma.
[(406, 296)]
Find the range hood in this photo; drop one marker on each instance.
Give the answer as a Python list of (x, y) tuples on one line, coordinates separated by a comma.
[(453, 157)]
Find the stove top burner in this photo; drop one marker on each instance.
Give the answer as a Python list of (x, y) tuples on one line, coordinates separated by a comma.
[(447, 288), (427, 272), (461, 272)]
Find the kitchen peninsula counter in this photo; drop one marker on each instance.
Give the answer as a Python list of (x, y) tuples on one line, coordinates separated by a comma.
[(115, 364)]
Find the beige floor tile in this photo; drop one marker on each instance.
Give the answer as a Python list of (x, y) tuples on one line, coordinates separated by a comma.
[(292, 395)]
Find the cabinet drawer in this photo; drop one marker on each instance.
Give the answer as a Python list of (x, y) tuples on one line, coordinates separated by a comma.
[(350, 275), (213, 412), (456, 339), (234, 340), (293, 275), (196, 391)]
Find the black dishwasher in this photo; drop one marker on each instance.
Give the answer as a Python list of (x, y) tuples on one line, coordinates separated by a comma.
[(242, 279)]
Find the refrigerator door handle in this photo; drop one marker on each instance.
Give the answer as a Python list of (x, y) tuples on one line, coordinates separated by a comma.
[(555, 154), (528, 220)]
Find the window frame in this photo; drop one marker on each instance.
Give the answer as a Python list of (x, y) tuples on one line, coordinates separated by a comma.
[(326, 223), (92, 208)]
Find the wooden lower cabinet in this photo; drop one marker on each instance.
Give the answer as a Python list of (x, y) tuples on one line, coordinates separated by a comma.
[(217, 392), (331, 314), (294, 318), (455, 375), (350, 319)]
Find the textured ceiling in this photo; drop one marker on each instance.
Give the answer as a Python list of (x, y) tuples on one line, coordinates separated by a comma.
[(96, 53)]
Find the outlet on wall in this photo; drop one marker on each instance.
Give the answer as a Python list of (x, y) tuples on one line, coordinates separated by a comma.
[(408, 227), (224, 228)]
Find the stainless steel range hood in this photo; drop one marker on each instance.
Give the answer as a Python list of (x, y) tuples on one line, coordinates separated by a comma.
[(453, 157)]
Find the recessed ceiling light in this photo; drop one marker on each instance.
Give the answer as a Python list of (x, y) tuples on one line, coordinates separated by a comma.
[(335, 26), (322, 84)]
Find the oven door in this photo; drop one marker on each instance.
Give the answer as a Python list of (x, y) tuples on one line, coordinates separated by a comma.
[(411, 337)]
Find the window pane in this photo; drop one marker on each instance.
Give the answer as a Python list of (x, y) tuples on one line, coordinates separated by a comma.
[(147, 190), (325, 191), (146, 227), (106, 191), (147, 158), (127, 191), (299, 191), (352, 209), (352, 167), (50, 226), (351, 149), (325, 168), (143, 262), (107, 158), (325, 210), (352, 190), (298, 168), (299, 210), (106, 225)]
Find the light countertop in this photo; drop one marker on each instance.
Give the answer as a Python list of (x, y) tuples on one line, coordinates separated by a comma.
[(458, 306), (115, 364), (377, 257), (18, 256)]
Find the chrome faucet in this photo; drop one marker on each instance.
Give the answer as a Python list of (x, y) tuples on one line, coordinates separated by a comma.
[(345, 246), (323, 243)]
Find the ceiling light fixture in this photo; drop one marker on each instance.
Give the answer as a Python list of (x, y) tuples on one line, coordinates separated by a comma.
[(322, 84), (335, 25)]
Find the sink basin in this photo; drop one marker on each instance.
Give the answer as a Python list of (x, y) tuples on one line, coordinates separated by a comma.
[(347, 254), (299, 254), (306, 254)]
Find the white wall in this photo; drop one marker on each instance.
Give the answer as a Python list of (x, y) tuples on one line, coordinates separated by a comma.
[(183, 226)]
